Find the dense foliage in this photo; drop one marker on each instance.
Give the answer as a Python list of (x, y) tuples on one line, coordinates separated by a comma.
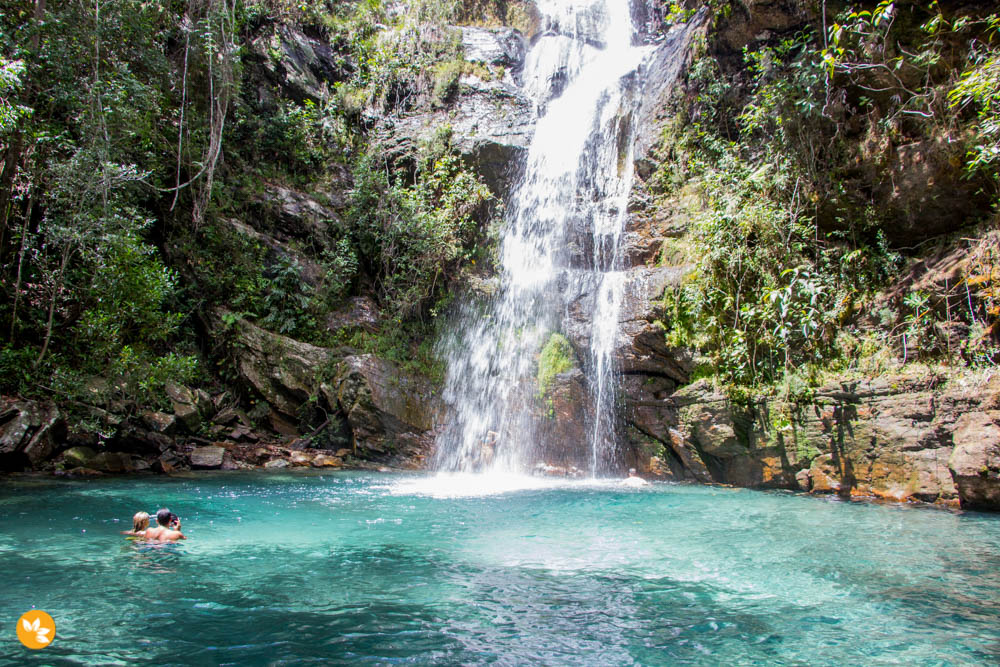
[(138, 162), (778, 162)]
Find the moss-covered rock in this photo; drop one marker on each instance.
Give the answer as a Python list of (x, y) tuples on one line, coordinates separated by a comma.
[(557, 356)]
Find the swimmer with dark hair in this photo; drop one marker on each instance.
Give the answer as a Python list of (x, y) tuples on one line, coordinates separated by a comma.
[(168, 528)]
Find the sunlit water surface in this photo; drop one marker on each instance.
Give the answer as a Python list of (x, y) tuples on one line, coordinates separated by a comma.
[(351, 568)]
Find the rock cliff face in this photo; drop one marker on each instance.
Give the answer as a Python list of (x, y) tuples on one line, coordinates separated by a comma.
[(899, 438), (902, 437), (490, 120)]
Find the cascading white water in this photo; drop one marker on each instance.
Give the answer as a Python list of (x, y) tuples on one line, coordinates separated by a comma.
[(565, 221)]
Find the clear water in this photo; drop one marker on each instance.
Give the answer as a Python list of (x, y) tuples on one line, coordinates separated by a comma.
[(362, 569)]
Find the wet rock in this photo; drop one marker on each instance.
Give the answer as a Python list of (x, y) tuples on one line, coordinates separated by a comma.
[(81, 472), (167, 463), (29, 433), (276, 464), (659, 76), (564, 421), (504, 47), (326, 461), (824, 475), (802, 480), (643, 347), (975, 462), (492, 126), (381, 403), (210, 457)]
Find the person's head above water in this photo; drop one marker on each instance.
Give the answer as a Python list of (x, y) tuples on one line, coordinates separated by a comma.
[(164, 517), (632, 472), (140, 522)]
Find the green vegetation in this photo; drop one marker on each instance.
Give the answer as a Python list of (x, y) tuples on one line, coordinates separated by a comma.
[(779, 161), (138, 164), (557, 357)]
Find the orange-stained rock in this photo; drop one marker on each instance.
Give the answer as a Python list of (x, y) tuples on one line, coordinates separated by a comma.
[(326, 461)]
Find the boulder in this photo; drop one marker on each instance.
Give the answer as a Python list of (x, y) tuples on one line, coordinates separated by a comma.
[(160, 422), (281, 369), (178, 393), (30, 432), (300, 459), (117, 462), (326, 461), (276, 464), (187, 416), (975, 461), (381, 403), (209, 457), (76, 457)]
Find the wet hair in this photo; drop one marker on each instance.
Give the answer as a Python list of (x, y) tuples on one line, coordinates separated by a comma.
[(140, 522), (631, 471), (164, 517)]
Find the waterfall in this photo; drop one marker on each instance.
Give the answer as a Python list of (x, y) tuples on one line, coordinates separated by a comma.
[(561, 243)]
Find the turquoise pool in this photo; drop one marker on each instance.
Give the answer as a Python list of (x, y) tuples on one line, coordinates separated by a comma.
[(370, 569)]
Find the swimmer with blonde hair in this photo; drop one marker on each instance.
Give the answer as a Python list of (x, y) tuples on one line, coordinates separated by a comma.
[(140, 522)]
